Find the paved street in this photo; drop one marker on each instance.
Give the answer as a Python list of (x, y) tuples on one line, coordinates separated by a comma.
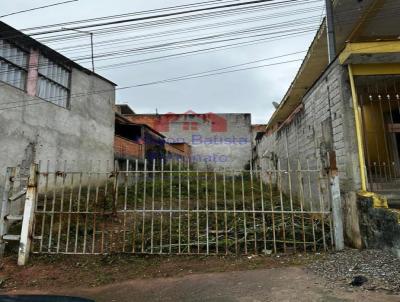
[(278, 284)]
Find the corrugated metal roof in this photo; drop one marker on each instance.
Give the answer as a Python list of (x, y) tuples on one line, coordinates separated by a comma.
[(123, 120), (367, 20)]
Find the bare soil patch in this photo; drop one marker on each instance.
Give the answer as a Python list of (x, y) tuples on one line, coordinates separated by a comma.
[(66, 271)]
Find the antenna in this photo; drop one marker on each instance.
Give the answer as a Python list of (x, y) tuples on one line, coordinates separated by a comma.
[(91, 41)]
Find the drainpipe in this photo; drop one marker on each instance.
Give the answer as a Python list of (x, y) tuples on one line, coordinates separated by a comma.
[(361, 156), (330, 28)]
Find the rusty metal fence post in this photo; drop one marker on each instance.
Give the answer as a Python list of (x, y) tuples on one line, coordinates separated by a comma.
[(28, 220)]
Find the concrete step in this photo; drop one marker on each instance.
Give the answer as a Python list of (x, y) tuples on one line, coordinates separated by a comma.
[(18, 195), (383, 191), (392, 196), (386, 185), (394, 203), (14, 217), (11, 237)]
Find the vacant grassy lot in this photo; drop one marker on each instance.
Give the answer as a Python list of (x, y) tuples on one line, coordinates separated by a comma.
[(187, 212)]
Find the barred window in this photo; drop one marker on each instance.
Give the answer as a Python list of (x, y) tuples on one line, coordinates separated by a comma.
[(53, 83), (13, 65)]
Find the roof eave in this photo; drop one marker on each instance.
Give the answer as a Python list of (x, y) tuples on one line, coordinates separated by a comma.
[(10, 33)]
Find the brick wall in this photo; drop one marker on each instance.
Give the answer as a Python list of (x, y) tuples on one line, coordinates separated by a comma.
[(127, 149), (183, 149), (176, 151)]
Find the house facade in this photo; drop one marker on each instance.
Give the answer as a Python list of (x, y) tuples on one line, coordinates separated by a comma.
[(52, 110), (178, 151), (136, 142), (139, 142), (348, 109), (216, 140), (258, 132)]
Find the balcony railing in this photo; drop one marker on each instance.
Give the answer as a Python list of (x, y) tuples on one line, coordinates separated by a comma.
[(125, 148)]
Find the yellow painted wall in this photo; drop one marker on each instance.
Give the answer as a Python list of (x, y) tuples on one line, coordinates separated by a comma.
[(374, 134), (372, 119)]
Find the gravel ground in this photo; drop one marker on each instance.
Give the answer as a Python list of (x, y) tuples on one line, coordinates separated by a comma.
[(381, 268)]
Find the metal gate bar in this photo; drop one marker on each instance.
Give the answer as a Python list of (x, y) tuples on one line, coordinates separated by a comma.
[(175, 208), (380, 112)]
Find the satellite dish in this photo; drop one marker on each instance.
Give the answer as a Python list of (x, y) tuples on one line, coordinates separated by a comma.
[(276, 105)]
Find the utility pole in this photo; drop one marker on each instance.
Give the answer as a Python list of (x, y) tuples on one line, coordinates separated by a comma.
[(330, 28), (92, 49), (91, 42), (334, 188)]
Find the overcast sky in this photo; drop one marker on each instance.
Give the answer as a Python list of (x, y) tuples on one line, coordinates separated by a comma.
[(250, 91)]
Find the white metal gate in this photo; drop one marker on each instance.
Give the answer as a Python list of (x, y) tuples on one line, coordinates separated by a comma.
[(157, 208)]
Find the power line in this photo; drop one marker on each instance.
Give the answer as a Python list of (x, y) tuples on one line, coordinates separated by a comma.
[(368, 47), (107, 67), (195, 42), (197, 4), (221, 47), (156, 48), (114, 30), (179, 44), (195, 52), (192, 29), (287, 4), (212, 72), (156, 83), (190, 18), (115, 55), (193, 76), (160, 16), (79, 58), (207, 39), (293, 23), (37, 8), (206, 73), (276, 3)]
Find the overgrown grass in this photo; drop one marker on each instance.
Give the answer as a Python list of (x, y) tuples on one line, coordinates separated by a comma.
[(187, 212)]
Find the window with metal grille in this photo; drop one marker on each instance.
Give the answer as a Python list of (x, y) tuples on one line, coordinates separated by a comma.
[(13, 64), (53, 83)]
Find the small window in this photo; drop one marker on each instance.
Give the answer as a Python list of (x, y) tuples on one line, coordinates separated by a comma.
[(53, 83), (13, 65)]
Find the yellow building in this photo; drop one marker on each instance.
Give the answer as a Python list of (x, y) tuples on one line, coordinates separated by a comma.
[(349, 107)]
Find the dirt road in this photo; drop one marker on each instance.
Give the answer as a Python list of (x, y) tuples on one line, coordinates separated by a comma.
[(125, 278), (274, 284)]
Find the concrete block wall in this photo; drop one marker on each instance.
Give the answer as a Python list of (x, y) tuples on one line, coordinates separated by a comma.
[(325, 123)]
